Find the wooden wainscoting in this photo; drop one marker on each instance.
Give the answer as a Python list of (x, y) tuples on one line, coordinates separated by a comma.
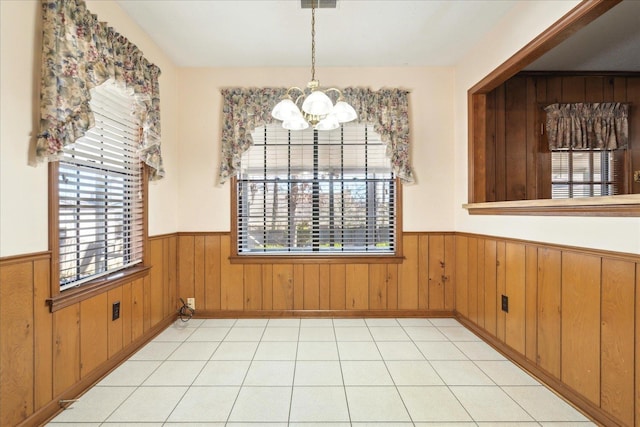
[(572, 319), (422, 283), (46, 357)]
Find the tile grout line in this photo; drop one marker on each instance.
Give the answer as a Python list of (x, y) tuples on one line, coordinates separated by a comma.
[(293, 380), (344, 386)]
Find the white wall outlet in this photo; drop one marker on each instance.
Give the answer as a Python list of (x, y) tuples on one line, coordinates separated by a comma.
[(191, 302)]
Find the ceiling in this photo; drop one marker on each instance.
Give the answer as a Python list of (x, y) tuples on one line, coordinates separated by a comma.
[(360, 33)]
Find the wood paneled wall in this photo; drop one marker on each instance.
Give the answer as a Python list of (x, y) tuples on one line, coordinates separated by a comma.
[(45, 357), (517, 161), (572, 319), (424, 281)]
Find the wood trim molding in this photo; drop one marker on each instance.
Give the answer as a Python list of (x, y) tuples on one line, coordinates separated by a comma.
[(571, 396), (17, 259), (223, 314), (51, 409)]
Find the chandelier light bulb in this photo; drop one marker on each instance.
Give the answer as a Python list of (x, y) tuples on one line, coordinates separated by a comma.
[(286, 109), (344, 112)]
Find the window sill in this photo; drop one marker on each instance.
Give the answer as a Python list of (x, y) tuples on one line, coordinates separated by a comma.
[(612, 206), (312, 259), (90, 289)]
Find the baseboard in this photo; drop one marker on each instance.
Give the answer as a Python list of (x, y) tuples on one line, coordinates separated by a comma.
[(574, 398), (53, 408), (215, 314)]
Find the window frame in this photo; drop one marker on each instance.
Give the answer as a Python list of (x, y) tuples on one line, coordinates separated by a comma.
[(63, 298), (339, 258)]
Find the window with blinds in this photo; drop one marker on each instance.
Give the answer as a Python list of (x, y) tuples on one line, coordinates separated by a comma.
[(583, 173), (100, 206), (316, 193)]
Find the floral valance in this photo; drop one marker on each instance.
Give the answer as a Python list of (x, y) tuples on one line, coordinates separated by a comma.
[(244, 109), (603, 126), (78, 54)]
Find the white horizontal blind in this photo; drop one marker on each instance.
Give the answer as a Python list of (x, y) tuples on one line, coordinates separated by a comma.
[(316, 192), (583, 173), (100, 193)]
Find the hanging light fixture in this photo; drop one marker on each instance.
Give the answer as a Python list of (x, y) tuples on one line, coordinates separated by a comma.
[(317, 108)]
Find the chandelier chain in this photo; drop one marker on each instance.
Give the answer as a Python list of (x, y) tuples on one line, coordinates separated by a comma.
[(313, 39)]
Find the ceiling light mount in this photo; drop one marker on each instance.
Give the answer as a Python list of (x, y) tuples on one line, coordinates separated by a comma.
[(317, 108)]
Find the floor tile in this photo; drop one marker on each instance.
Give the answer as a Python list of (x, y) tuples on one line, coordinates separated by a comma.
[(567, 424), (382, 321), (209, 323), (444, 321), (460, 373), (449, 424), (503, 372), (284, 322), (259, 404), (326, 404), (270, 373), (95, 405), (360, 333), (174, 373), (433, 404), (242, 323), (276, 351), (191, 323), (478, 350), (131, 372), (155, 351), (281, 334), (543, 404), (174, 333), (223, 373), (358, 351), (244, 334), (317, 350), (376, 404), (413, 373), (317, 334), (363, 373), (320, 424), (458, 333), (318, 323), (502, 407), (149, 404), (424, 333), (440, 350), (195, 350), (414, 321), (340, 323), (205, 404), (318, 373), (209, 334), (403, 350), (388, 333), (235, 351)]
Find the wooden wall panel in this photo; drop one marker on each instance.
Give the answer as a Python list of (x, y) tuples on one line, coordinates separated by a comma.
[(282, 287), (392, 286), (357, 286), (253, 287), (115, 326), (231, 284), (423, 272), (480, 283), (298, 287), (325, 286), (172, 274), (199, 271), (581, 324), (186, 277), (617, 338), (16, 342), (126, 314), (637, 340), (156, 258), (378, 286), (408, 274), (531, 300), (338, 287), (515, 290), (311, 299), (490, 283), (472, 279), (436, 272), (94, 348), (501, 289), (549, 315), (212, 272), (137, 309), (515, 140), (267, 287), (461, 282), (43, 334), (449, 272), (66, 354)]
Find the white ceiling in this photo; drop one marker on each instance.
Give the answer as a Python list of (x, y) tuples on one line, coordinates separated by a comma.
[(357, 33), (366, 33)]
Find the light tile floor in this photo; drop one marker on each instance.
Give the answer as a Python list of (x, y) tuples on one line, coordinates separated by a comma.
[(308, 372)]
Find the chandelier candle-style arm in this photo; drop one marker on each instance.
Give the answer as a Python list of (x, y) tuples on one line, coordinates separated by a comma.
[(317, 108)]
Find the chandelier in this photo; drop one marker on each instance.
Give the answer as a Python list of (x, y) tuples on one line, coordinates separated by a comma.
[(317, 108)]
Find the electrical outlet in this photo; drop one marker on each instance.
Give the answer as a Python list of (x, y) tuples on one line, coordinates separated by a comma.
[(115, 310), (505, 303), (191, 302)]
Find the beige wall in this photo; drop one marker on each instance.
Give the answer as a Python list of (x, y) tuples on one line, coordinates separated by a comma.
[(23, 185), (204, 203), (523, 24)]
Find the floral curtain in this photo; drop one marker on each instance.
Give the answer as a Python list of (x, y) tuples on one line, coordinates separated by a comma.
[(78, 54), (603, 126), (244, 109)]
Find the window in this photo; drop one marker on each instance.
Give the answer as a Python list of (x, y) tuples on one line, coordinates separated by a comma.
[(100, 193), (583, 173), (316, 193)]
